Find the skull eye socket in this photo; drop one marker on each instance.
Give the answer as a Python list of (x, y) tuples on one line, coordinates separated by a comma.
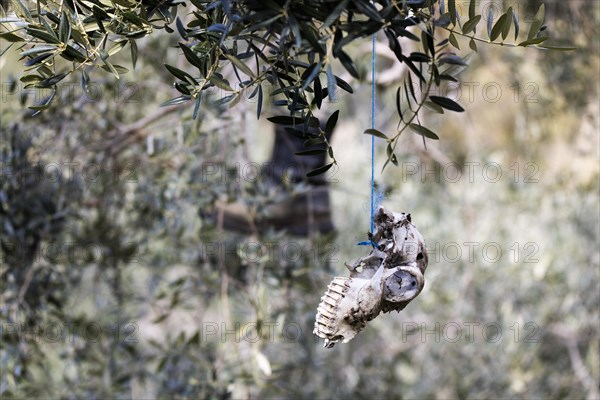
[(420, 256)]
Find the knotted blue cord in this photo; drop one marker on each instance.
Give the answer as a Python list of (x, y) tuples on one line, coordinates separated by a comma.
[(374, 202), (372, 127)]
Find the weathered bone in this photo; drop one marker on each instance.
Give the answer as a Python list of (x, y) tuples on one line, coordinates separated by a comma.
[(387, 279)]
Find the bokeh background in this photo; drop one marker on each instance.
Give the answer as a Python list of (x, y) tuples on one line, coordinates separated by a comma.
[(115, 286)]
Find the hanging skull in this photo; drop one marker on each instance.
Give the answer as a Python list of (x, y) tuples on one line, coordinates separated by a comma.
[(386, 279)]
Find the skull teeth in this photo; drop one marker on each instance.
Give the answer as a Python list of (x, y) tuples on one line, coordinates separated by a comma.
[(326, 312)]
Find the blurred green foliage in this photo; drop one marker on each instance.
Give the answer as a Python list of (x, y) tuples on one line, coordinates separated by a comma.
[(113, 285)]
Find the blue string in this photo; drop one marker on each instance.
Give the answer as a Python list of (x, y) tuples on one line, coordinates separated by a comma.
[(373, 127), (373, 200)]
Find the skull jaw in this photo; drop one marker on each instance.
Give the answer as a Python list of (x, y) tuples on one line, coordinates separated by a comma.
[(343, 313)]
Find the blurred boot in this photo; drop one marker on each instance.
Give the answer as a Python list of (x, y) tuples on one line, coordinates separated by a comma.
[(301, 211)]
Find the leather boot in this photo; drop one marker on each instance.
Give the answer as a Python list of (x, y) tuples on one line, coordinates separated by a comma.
[(302, 206)]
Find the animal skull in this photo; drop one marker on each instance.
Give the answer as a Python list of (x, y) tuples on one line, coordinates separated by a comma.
[(387, 279)]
